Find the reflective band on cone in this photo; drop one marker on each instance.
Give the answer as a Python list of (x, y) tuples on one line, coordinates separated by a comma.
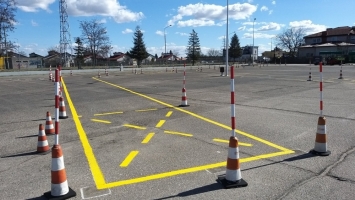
[(62, 110), (42, 144), (49, 129)]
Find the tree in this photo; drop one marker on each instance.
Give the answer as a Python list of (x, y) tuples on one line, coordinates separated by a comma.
[(79, 51), (138, 51), (234, 50), (156, 56), (213, 53), (94, 35), (193, 50), (291, 39), (7, 20)]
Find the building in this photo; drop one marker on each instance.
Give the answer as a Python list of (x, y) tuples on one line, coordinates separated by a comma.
[(249, 53), (333, 43)]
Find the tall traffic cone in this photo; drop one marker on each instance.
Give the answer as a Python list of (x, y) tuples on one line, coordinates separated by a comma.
[(184, 98), (50, 75), (320, 146), (49, 129), (310, 75), (59, 183), (341, 73), (42, 143), (62, 111), (233, 176), (71, 72)]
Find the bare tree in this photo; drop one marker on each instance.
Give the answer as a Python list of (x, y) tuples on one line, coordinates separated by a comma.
[(291, 39), (213, 53), (94, 36), (7, 18)]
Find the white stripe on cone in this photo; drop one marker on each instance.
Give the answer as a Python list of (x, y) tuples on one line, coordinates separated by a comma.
[(42, 143), (59, 189), (57, 163)]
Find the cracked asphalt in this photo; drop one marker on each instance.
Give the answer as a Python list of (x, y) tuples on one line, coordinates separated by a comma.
[(276, 116)]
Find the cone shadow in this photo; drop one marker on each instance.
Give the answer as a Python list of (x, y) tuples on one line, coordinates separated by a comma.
[(207, 188), (27, 154), (28, 136)]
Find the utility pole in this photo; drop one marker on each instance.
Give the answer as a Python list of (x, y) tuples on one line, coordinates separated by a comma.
[(227, 42)]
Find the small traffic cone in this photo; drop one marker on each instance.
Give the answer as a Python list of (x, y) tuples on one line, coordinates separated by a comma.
[(233, 176), (59, 183), (71, 72), (62, 111), (49, 129), (98, 74), (183, 98), (341, 73), (42, 144), (310, 75), (320, 146), (50, 75)]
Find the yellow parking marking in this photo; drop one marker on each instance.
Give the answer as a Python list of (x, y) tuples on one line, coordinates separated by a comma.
[(129, 158), (146, 110), (227, 141), (179, 133), (160, 123), (169, 114), (136, 127), (147, 138), (101, 121), (110, 113)]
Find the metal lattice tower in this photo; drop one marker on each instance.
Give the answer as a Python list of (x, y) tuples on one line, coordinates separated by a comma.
[(65, 43)]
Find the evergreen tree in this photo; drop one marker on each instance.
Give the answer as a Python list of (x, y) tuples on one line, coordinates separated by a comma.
[(138, 51), (156, 56), (193, 50), (79, 51), (234, 50)]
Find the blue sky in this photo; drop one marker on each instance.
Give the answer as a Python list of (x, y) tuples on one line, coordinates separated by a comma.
[(37, 29)]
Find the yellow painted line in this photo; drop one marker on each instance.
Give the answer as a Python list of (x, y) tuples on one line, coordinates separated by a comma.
[(147, 138), (227, 141), (88, 151), (169, 114), (110, 113), (189, 170), (178, 133), (129, 158), (160, 123), (101, 121), (136, 127), (197, 116), (146, 110)]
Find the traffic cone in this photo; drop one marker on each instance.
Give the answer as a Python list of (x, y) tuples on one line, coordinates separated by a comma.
[(59, 183), (71, 72), (62, 111), (310, 75), (184, 98), (320, 146), (233, 176), (42, 144), (49, 129), (341, 73), (50, 75)]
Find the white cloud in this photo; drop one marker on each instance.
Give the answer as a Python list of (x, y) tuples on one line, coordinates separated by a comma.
[(270, 12), (250, 1), (273, 2), (264, 8), (182, 34), (34, 5), (308, 26), (127, 31), (242, 28), (271, 26), (206, 14), (159, 33), (33, 23), (258, 35)]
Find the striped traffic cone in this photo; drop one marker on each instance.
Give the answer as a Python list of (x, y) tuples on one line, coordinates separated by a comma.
[(42, 143), (62, 110), (59, 183), (50, 76), (320, 146), (98, 75), (183, 98), (310, 75), (49, 129), (341, 73), (71, 72), (233, 176)]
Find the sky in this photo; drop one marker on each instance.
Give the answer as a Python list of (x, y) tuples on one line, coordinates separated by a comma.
[(38, 22)]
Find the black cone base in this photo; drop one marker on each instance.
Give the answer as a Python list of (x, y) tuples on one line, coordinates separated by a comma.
[(70, 194), (184, 105), (231, 184), (309, 80), (63, 117), (327, 153)]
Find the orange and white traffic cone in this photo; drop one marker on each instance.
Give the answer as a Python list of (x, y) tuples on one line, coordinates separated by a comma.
[(42, 144), (59, 184), (50, 76), (341, 73), (233, 176), (183, 98), (62, 110), (310, 75), (320, 146), (49, 129)]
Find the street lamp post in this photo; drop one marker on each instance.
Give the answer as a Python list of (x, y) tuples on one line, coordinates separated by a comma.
[(227, 41), (253, 43), (165, 37)]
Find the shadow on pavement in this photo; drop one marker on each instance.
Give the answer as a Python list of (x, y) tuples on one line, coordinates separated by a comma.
[(26, 154), (28, 136)]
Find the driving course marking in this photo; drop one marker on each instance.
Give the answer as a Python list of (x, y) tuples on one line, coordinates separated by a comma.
[(146, 110), (98, 176), (227, 141), (101, 121), (178, 133), (134, 126), (110, 113), (129, 158), (169, 114), (160, 123), (147, 138)]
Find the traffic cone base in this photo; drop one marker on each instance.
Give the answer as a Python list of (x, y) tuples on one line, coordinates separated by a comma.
[(230, 184), (71, 193), (314, 152)]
